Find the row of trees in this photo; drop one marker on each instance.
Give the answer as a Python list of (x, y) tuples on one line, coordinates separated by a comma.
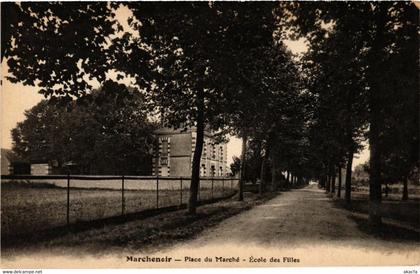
[(362, 70), (225, 66), (359, 79), (198, 64)]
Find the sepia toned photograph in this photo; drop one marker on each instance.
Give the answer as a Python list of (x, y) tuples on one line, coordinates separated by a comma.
[(210, 134)]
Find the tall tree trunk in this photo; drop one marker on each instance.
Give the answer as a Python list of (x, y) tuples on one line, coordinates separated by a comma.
[(333, 182), (289, 185), (375, 195), (322, 181), (348, 176), (339, 183), (375, 189), (328, 185), (273, 174), (195, 176), (242, 174), (375, 117), (262, 176), (405, 189)]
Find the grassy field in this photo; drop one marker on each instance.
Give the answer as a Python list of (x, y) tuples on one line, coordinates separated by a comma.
[(29, 208), (136, 235), (392, 207)]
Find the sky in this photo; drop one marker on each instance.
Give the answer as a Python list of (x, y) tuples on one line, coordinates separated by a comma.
[(16, 98)]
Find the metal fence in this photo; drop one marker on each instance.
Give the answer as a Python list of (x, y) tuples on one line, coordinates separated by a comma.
[(34, 203)]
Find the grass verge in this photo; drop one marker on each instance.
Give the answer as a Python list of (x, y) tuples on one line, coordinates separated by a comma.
[(136, 235), (33, 208), (400, 219)]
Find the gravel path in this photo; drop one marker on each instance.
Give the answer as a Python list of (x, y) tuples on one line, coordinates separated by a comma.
[(301, 221), (293, 217)]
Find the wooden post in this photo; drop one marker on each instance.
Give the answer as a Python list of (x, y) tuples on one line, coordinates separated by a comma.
[(180, 191), (122, 196), (157, 191), (212, 186), (339, 183), (223, 184), (68, 198)]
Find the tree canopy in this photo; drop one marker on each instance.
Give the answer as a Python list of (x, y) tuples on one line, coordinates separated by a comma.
[(110, 135), (373, 42)]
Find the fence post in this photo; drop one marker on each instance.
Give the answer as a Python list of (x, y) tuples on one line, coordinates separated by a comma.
[(68, 198), (122, 196), (180, 192), (223, 184), (212, 184), (157, 191), (231, 184)]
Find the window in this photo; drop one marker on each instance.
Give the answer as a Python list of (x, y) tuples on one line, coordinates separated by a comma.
[(164, 152), (203, 170), (204, 154), (213, 171), (165, 147), (164, 161)]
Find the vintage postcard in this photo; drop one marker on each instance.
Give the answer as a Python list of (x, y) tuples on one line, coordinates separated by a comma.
[(209, 134)]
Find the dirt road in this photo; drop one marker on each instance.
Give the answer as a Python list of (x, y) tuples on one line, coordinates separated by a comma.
[(302, 221), (293, 217)]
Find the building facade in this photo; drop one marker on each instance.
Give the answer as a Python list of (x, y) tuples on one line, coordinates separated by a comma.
[(5, 162), (41, 169), (175, 150)]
